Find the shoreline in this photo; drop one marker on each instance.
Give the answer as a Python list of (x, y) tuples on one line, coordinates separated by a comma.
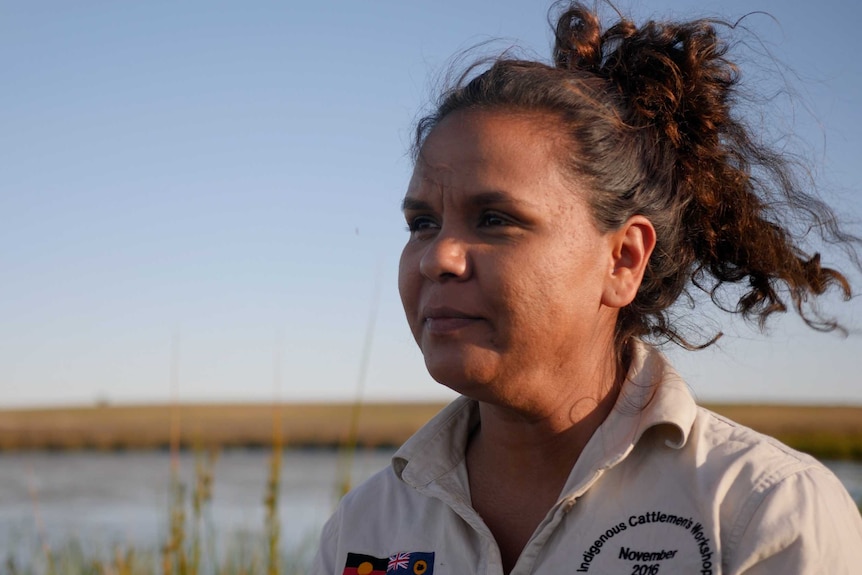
[(827, 432)]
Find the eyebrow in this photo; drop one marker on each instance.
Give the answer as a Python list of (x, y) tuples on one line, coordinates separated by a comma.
[(478, 200), (415, 205)]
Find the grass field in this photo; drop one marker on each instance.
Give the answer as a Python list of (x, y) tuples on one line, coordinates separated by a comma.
[(824, 431), (827, 432), (235, 425)]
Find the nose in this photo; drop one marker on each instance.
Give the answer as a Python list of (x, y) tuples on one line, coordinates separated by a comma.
[(445, 258)]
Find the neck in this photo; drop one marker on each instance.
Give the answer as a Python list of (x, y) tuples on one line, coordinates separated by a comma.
[(546, 442), (550, 414), (518, 463)]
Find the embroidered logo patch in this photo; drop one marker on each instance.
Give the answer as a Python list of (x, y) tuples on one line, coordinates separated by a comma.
[(413, 563)]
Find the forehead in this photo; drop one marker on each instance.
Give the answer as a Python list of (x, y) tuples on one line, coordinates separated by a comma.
[(488, 149)]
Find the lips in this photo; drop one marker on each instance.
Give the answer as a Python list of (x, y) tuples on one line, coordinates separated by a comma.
[(443, 320)]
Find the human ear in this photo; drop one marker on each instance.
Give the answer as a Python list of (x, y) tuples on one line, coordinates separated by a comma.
[(630, 248)]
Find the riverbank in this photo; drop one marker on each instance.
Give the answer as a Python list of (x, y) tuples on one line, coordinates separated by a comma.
[(126, 427), (828, 432)]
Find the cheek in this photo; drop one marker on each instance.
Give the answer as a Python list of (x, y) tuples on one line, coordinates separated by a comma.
[(558, 286), (407, 284)]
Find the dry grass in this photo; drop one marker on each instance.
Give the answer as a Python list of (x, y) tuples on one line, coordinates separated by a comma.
[(827, 432), (783, 419), (834, 432), (236, 425)]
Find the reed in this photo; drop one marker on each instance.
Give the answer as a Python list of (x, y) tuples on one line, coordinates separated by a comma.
[(273, 483), (272, 526), (348, 445), (201, 499)]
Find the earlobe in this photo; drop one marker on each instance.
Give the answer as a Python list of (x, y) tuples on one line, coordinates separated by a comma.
[(630, 248)]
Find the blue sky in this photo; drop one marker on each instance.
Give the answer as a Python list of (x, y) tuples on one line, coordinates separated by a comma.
[(227, 175)]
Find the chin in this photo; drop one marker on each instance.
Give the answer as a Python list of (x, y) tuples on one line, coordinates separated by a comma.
[(465, 377)]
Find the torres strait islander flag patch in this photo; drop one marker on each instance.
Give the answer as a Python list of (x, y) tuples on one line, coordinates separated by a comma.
[(398, 564)]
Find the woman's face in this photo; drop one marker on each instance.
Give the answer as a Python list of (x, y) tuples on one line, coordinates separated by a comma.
[(502, 277)]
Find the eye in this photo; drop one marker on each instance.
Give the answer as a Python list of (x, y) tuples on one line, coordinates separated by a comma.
[(494, 219), (419, 224)]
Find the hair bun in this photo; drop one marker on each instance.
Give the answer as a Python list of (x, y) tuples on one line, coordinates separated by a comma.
[(578, 44), (668, 73)]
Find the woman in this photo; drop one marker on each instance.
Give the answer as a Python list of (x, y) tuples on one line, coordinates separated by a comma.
[(555, 214)]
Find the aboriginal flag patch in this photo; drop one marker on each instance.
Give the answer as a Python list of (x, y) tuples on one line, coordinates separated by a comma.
[(398, 564)]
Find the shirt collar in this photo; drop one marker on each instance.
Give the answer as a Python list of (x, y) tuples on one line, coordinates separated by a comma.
[(440, 445), (653, 394)]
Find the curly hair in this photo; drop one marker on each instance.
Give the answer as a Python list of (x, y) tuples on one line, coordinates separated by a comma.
[(648, 118)]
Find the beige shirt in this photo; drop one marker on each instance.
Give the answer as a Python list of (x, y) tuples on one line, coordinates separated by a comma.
[(663, 486)]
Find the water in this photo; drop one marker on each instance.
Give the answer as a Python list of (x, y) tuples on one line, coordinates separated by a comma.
[(103, 499), (850, 474), (108, 499)]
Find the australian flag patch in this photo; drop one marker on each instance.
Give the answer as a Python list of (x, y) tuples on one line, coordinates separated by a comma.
[(398, 564)]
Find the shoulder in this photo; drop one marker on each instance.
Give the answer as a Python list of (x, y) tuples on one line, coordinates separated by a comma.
[(357, 516), (399, 506), (762, 459), (747, 467), (783, 510), (381, 490)]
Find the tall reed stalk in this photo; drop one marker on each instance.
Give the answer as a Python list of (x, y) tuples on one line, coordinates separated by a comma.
[(201, 498), (174, 560), (345, 462), (33, 492), (173, 552), (273, 484)]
